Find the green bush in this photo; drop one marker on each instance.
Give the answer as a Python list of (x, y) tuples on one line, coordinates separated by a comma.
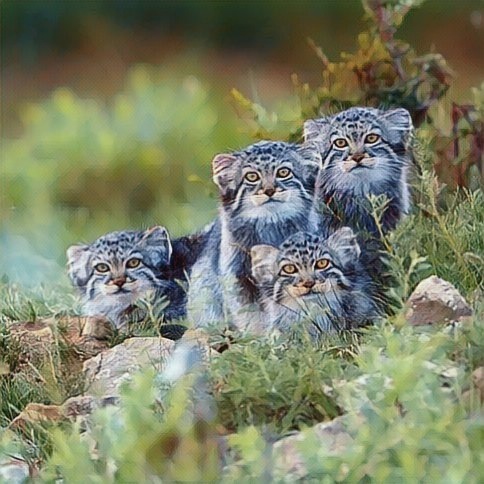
[(132, 155), (83, 168)]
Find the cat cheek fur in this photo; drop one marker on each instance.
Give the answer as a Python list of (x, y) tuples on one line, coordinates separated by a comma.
[(263, 258), (311, 162)]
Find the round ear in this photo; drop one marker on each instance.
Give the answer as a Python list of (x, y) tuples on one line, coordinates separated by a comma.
[(398, 123), (310, 130), (156, 245), (223, 171), (263, 259), (78, 264), (343, 242), (315, 129)]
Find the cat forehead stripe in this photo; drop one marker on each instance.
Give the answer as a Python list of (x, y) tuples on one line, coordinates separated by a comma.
[(268, 150)]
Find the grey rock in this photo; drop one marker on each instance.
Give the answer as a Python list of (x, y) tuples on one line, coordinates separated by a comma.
[(14, 470), (436, 301), (107, 371), (289, 462)]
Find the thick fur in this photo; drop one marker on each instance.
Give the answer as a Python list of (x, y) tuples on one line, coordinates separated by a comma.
[(349, 175), (340, 296), (263, 211), (151, 279)]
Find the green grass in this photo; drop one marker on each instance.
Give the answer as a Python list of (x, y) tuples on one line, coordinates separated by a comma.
[(409, 421), (403, 389)]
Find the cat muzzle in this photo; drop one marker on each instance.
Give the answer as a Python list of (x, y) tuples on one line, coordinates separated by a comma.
[(300, 290), (119, 281), (120, 284), (358, 157), (308, 284), (309, 287), (269, 191), (363, 162), (269, 195)]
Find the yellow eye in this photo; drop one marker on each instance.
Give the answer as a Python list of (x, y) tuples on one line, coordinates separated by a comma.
[(101, 267), (289, 269), (283, 172), (322, 264), (132, 263), (372, 138), (340, 143), (252, 176)]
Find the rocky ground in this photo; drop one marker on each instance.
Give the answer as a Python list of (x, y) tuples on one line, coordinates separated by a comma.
[(104, 369)]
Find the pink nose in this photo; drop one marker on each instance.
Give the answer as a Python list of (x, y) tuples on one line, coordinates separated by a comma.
[(357, 157), (119, 281), (308, 284), (270, 191)]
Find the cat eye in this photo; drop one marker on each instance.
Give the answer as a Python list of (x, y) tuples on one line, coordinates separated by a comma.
[(340, 143), (372, 138), (289, 269), (252, 176), (101, 267), (322, 264), (283, 173), (132, 263)]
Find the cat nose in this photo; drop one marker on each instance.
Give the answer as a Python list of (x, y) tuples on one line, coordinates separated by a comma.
[(119, 281), (270, 191), (309, 284), (358, 157)]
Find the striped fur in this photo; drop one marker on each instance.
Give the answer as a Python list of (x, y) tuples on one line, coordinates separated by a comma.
[(113, 291), (360, 168), (328, 287), (266, 194)]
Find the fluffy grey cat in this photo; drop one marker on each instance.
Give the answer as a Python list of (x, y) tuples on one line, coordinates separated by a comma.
[(364, 151), (316, 281), (119, 268), (266, 194)]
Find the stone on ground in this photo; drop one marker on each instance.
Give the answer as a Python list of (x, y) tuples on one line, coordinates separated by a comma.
[(106, 372), (14, 470), (436, 301), (331, 435)]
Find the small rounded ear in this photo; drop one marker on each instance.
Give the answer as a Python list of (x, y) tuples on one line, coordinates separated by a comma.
[(398, 123), (263, 259), (343, 242), (223, 171), (315, 129), (311, 130), (156, 244), (78, 264)]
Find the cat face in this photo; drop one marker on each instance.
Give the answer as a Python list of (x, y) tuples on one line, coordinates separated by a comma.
[(272, 180), (361, 144), (307, 268), (119, 267)]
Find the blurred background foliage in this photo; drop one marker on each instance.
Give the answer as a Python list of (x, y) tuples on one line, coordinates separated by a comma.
[(112, 110)]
